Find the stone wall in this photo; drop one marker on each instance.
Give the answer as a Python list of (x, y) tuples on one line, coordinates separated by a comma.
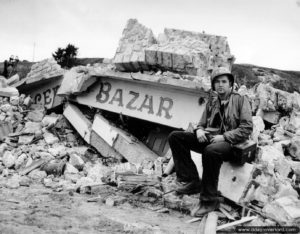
[(44, 69), (175, 50)]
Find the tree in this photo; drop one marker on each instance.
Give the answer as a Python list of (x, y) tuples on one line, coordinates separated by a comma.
[(66, 58)]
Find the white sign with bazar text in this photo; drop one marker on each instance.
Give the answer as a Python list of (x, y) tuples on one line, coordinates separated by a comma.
[(152, 102)]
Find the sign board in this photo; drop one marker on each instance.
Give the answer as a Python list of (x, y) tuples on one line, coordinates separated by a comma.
[(148, 101), (44, 92)]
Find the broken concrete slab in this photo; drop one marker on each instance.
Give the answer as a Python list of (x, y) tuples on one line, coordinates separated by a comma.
[(7, 91), (45, 69), (36, 115), (79, 121), (127, 146), (25, 139), (32, 127), (285, 210), (75, 81), (234, 180)]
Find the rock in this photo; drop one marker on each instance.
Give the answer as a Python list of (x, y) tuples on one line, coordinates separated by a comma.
[(58, 150), (14, 100), (45, 155), (25, 139), (35, 115), (280, 135), (99, 171), (70, 169), (25, 181), (71, 138), (294, 147), (285, 210), (8, 159), (3, 147), (27, 101), (54, 167), (269, 154), (32, 127), (50, 138), (76, 161), (295, 119), (48, 182), (13, 182), (6, 108), (49, 120), (283, 167), (37, 175), (21, 160)]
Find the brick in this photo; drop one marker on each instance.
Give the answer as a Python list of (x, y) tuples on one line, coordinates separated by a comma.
[(79, 121)]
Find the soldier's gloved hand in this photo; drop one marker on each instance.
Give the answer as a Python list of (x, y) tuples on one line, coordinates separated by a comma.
[(201, 135), (217, 138)]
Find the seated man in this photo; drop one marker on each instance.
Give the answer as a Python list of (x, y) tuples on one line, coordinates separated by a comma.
[(230, 114)]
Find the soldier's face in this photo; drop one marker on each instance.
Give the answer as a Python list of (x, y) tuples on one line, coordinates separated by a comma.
[(222, 85)]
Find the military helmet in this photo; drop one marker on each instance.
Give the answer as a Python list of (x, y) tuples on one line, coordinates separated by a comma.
[(219, 71)]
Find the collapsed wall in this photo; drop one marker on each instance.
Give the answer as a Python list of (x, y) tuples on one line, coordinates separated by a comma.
[(185, 52)]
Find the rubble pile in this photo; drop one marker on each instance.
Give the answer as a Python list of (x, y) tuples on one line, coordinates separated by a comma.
[(179, 51), (82, 151)]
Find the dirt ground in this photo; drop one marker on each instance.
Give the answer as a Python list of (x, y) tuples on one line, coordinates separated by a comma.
[(37, 209)]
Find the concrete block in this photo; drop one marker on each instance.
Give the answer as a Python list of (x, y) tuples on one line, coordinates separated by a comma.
[(127, 146), (79, 121), (234, 180)]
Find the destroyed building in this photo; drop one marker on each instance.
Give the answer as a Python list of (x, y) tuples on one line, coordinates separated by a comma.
[(112, 121)]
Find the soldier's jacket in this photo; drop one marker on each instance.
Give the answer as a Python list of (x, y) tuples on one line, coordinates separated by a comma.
[(238, 117)]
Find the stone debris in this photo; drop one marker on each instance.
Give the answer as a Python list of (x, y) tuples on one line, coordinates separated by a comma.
[(44, 69), (285, 210), (91, 152), (184, 52)]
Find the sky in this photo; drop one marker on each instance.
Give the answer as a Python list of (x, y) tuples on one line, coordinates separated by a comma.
[(259, 32)]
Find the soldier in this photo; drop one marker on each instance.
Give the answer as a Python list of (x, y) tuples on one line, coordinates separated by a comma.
[(228, 116)]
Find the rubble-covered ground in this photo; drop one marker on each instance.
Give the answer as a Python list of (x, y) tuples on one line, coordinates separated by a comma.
[(86, 170), (37, 209)]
